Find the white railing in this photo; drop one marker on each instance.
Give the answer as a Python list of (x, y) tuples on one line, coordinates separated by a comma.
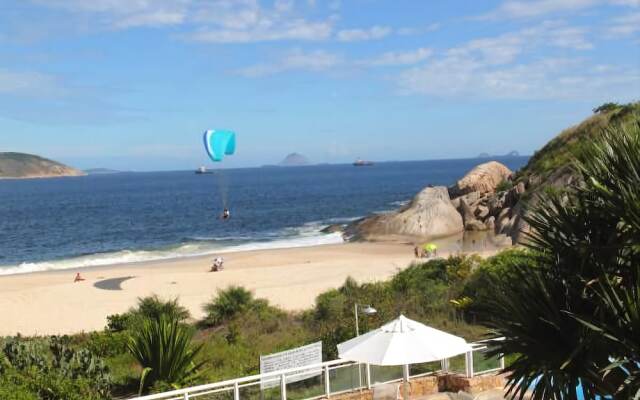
[(329, 378)]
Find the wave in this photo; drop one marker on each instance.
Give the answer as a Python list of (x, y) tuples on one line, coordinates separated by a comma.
[(400, 203), (303, 236)]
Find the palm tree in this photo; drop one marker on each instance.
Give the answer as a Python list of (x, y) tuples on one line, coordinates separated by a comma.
[(571, 314), (164, 350)]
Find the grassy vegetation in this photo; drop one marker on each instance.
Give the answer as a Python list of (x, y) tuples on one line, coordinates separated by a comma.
[(238, 328), (570, 144)]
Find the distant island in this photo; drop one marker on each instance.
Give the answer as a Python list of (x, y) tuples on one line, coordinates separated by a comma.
[(101, 171), (24, 166), (512, 153), (294, 160)]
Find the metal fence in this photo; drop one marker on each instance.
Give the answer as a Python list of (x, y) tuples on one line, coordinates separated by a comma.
[(331, 378)]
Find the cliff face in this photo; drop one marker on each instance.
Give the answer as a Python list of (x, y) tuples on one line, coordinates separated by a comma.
[(23, 166)]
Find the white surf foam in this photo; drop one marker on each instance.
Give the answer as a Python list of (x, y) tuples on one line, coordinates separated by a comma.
[(304, 236)]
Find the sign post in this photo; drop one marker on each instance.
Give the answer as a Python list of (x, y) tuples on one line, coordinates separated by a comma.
[(310, 354)]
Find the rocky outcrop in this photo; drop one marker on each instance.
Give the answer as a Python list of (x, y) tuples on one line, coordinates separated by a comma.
[(23, 166), (429, 215), (484, 178), (433, 213)]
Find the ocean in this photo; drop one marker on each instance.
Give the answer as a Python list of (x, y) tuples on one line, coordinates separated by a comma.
[(62, 223)]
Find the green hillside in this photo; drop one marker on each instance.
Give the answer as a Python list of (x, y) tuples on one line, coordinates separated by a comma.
[(570, 143), (21, 165)]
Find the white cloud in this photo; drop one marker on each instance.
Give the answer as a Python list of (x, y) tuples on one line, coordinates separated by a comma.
[(352, 35), (29, 84), (509, 66), (526, 9), (218, 21), (538, 8), (317, 60), (246, 21), (624, 26), (292, 30), (400, 58), (122, 14), (547, 78)]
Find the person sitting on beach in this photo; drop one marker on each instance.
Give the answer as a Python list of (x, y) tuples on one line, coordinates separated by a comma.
[(217, 264), (78, 278)]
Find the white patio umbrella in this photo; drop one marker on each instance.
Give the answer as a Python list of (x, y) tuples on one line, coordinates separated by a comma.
[(402, 342)]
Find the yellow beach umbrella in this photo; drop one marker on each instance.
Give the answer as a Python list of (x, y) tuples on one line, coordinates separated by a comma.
[(430, 247)]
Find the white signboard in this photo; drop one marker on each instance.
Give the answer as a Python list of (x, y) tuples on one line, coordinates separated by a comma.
[(299, 357)]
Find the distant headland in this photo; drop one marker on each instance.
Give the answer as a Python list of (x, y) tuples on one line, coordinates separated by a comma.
[(101, 171), (512, 153), (25, 166), (294, 160)]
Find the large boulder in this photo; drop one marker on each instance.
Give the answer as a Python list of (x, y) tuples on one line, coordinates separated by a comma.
[(429, 215), (484, 178)]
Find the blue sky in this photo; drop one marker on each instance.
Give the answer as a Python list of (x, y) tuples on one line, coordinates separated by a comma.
[(131, 84)]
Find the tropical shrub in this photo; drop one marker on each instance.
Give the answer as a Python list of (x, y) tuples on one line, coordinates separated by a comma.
[(228, 303), (164, 350), (573, 319)]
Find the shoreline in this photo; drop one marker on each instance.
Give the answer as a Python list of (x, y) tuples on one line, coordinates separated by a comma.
[(49, 302)]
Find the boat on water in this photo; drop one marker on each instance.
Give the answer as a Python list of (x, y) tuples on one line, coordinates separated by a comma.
[(362, 163), (203, 170)]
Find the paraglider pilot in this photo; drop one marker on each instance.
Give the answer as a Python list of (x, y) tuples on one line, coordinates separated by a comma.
[(226, 214)]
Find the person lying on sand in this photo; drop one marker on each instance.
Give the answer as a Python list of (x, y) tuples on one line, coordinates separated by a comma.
[(78, 278)]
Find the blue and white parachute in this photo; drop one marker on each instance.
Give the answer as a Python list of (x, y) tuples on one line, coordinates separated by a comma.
[(219, 143)]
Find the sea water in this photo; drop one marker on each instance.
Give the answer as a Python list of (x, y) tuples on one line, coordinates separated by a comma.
[(51, 224)]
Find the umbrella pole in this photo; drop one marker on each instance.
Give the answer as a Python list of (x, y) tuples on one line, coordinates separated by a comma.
[(405, 382)]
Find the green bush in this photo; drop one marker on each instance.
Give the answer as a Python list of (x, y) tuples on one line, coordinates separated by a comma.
[(118, 322), (164, 350), (505, 185), (491, 273), (228, 303), (49, 369), (154, 307)]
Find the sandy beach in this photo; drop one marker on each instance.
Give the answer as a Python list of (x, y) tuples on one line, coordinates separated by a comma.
[(51, 303)]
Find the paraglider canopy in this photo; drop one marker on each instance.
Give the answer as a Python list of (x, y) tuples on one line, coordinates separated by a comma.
[(219, 143)]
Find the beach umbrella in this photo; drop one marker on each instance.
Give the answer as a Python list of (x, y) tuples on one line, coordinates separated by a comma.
[(430, 247), (402, 342)]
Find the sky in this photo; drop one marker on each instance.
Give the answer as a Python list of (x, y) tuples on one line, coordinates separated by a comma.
[(132, 84)]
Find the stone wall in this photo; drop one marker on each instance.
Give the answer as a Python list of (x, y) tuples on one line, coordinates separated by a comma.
[(427, 385), (454, 383), (418, 387)]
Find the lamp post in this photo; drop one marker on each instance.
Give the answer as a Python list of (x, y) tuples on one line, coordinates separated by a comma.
[(367, 310)]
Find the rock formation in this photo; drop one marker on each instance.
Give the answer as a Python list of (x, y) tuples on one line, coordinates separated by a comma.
[(22, 166), (483, 179), (429, 215), (475, 206)]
